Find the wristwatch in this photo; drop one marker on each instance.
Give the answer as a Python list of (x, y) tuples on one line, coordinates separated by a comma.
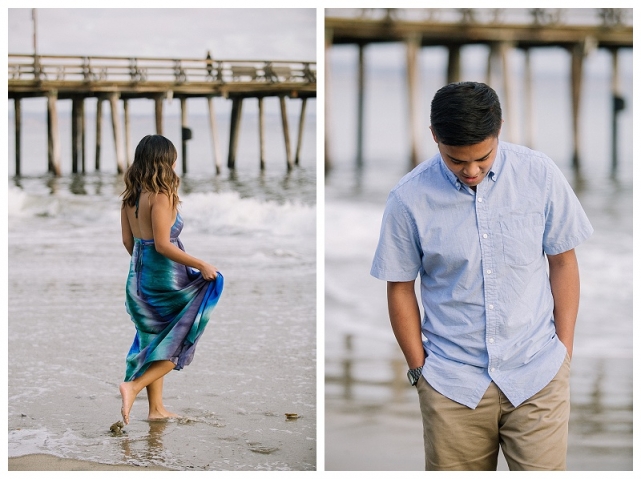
[(414, 374)]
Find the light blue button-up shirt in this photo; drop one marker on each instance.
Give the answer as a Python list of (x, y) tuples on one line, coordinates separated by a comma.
[(480, 254)]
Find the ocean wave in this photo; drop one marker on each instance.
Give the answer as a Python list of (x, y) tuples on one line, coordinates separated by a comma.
[(225, 213), (23, 204), (229, 213), (351, 230)]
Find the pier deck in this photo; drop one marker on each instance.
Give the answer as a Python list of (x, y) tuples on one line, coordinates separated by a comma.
[(435, 33), (59, 77)]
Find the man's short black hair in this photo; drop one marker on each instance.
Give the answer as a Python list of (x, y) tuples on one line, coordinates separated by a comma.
[(465, 113)]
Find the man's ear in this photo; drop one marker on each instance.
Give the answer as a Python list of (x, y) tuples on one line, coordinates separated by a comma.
[(433, 134)]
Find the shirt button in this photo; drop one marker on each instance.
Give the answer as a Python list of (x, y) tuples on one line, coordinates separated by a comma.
[(480, 200), (489, 271), (492, 340), (491, 370), (484, 235), (491, 306)]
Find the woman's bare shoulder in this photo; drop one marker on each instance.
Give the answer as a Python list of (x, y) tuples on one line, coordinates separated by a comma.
[(157, 199)]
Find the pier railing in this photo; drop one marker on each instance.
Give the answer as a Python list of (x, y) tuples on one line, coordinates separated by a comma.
[(141, 70), (606, 18)]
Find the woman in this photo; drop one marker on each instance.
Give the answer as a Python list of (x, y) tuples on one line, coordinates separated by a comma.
[(168, 301)]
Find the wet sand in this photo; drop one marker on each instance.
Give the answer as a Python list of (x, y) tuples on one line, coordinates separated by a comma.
[(68, 325), (45, 462)]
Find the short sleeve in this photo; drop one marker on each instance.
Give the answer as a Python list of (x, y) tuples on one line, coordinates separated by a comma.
[(566, 224), (398, 255)]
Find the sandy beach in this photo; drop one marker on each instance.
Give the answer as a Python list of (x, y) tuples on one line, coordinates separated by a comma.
[(46, 462)]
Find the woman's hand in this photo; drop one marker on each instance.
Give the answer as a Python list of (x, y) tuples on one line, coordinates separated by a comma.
[(209, 272)]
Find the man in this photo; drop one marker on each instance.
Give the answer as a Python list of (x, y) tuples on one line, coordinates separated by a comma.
[(481, 222)]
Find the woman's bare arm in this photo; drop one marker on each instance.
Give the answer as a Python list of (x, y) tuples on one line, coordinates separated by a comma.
[(162, 218), (127, 235)]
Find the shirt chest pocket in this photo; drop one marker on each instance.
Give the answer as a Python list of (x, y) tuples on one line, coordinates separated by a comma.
[(522, 237)]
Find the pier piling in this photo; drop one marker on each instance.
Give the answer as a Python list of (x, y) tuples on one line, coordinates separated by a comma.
[(53, 133), (577, 53), (301, 126), (125, 107), (236, 113), (18, 121), (453, 63), (158, 99), (328, 44), (288, 150), (618, 104), (512, 126), (261, 132), (184, 129), (413, 45), (215, 147), (98, 132), (361, 104), (528, 103), (83, 136), (75, 147), (115, 123), (492, 57), (77, 134)]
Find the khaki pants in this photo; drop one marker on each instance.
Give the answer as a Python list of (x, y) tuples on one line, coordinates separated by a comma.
[(533, 436)]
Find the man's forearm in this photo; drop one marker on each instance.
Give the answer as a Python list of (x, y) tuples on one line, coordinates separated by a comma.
[(565, 285), (405, 317)]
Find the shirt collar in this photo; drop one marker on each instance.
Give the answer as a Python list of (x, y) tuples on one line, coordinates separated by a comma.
[(497, 166), (449, 175), (492, 175)]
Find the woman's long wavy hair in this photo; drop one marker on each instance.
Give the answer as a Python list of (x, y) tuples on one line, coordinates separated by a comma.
[(152, 170)]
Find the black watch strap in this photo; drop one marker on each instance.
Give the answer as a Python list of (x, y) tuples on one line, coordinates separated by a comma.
[(414, 375)]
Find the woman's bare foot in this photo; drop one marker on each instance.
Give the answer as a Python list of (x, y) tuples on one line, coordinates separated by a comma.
[(160, 415), (128, 397)]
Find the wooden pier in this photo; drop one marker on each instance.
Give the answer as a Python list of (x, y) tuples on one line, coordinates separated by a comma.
[(115, 79), (454, 28)]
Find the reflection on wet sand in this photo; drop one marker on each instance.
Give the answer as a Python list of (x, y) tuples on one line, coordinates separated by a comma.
[(345, 374), (601, 415), (149, 448)]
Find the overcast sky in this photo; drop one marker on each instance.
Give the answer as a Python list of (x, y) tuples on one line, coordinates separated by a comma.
[(230, 34)]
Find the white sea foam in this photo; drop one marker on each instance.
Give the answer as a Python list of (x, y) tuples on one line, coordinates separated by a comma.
[(352, 230), (29, 441), (229, 213), (219, 213), (21, 203)]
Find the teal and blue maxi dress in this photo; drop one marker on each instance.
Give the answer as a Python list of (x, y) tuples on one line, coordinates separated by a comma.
[(169, 303)]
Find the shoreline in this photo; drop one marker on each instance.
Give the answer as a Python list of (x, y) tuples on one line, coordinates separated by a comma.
[(47, 462)]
